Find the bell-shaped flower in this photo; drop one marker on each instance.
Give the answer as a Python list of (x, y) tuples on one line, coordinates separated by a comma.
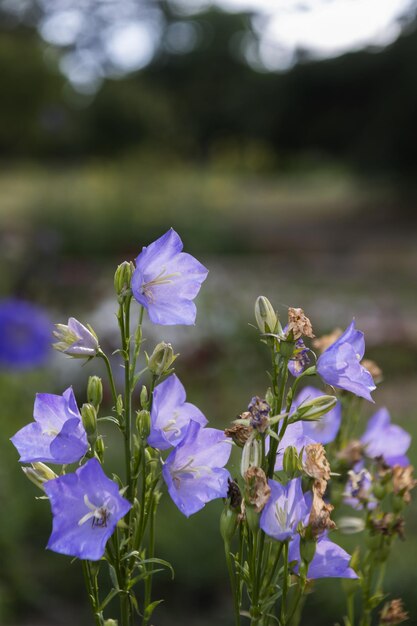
[(166, 281), (286, 508), (194, 471), (86, 507), (57, 435), (382, 438), (25, 332), (75, 339), (326, 428), (329, 561), (171, 414), (340, 365), (358, 489)]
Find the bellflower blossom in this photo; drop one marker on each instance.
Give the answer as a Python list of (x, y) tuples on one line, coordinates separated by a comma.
[(86, 507), (194, 471), (299, 362), (75, 339), (171, 414), (326, 428), (166, 281), (340, 366), (358, 490), (382, 438), (329, 561), (57, 435), (285, 509), (25, 332)]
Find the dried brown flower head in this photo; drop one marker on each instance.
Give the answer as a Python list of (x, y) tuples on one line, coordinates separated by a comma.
[(403, 481), (352, 453), (319, 519), (325, 341), (299, 323), (388, 525), (233, 493), (393, 613), (257, 488), (374, 369), (240, 433), (315, 462)]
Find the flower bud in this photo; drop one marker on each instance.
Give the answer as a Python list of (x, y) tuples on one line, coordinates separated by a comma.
[(119, 405), (143, 423), (123, 276), (76, 340), (313, 410), (161, 359), (349, 525), (144, 397), (111, 622), (39, 473), (252, 518), (291, 462), (95, 391), (228, 523), (265, 316), (89, 418), (100, 448), (307, 548), (251, 455)]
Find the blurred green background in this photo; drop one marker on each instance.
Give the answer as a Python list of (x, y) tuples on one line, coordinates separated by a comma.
[(295, 182)]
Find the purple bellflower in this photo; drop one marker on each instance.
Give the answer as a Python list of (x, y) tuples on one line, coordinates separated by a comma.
[(285, 509), (329, 561), (382, 438), (166, 281), (171, 414), (299, 362), (75, 339), (86, 507), (326, 428), (25, 332), (340, 366), (57, 435), (194, 471), (358, 490)]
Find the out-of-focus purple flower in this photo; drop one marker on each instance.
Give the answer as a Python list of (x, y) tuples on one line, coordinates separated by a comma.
[(25, 332), (86, 507), (329, 561), (75, 339), (171, 414), (382, 438), (166, 281), (358, 490), (57, 435), (300, 360), (294, 436), (340, 366), (194, 471), (285, 509), (326, 428)]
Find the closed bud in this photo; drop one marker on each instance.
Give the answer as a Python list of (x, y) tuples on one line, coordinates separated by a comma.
[(143, 423), (89, 417), (379, 491), (307, 549), (95, 391), (291, 462), (111, 622), (252, 518), (119, 405), (100, 448), (161, 359), (228, 523), (251, 455), (265, 316), (314, 409), (39, 473), (144, 397), (123, 276)]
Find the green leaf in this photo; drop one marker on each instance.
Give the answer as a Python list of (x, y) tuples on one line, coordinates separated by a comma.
[(109, 418), (150, 608), (113, 577), (113, 593)]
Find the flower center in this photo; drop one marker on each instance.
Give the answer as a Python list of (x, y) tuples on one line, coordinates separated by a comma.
[(188, 470), (162, 279), (171, 426), (98, 514), (281, 515)]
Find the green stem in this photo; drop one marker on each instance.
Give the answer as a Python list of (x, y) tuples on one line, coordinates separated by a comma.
[(233, 582), (148, 580), (92, 592), (275, 565), (110, 375), (284, 586), (277, 408)]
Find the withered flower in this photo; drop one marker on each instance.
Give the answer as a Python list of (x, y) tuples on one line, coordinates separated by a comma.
[(299, 323), (257, 488), (240, 433), (388, 525), (325, 341), (315, 462), (393, 613), (319, 519), (233, 494), (259, 410), (403, 481)]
